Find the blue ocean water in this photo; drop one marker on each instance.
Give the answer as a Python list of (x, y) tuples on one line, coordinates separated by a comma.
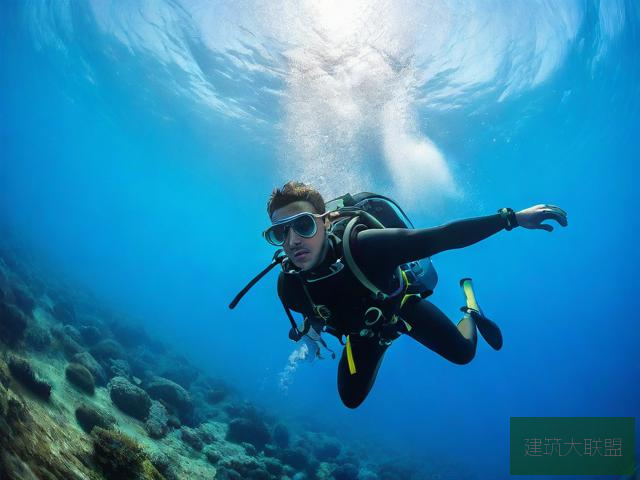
[(140, 141)]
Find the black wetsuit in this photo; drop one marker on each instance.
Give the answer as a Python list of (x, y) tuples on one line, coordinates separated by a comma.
[(378, 252)]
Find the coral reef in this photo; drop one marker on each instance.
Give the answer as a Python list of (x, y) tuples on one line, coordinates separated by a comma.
[(149, 414)]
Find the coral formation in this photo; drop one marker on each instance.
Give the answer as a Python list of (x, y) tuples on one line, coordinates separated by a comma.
[(158, 420), (171, 393), (251, 430), (117, 455), (79, 376), (13, 323), (174, 420), (37, 337), (25, 374), (89, 417), (129, 398)]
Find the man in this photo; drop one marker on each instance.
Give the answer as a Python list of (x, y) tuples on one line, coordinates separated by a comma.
[(326, 290)]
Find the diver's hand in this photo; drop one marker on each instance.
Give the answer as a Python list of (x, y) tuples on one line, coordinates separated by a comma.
[(533, 217), (294, 334)]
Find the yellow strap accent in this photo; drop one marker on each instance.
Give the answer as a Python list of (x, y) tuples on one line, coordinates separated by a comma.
[(467, 287), (352, 364)]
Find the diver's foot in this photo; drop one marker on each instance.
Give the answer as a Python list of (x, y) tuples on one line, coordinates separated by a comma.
[(488, 329)]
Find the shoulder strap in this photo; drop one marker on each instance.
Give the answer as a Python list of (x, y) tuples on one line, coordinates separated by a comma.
[(348, 255)]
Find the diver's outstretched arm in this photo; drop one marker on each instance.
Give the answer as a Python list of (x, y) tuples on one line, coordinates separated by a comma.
[(395, 246), (533, 217)]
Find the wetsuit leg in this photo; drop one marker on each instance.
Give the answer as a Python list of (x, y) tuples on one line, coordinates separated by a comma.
[(433, 329), (367, 356)]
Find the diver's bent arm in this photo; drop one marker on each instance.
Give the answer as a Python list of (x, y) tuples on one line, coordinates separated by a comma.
[(400, 245)]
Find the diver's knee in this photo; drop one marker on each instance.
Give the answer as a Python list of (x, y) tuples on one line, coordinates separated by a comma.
[(351, 398), (352, 402), (464, 357)]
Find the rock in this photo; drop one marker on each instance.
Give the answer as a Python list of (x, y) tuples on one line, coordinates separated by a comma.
[(215, 395), (212, 454), (250, 449), (130, 399), (37, 338), (72, 332), (5, 376), (89, 417), (117, 455), (170, 392), (24, 373), (164, 464), (242, 464), (64, 312), (90, 334), (14, 468), (206, 433), (174, 422), (107, 349), (258, 474), (87, 361), (79, 376), (182, 375), (346, 471), (13, 324), (326, 451), (191, 438), (252, 430), (119, 368), (23, 299), (224, 473), (70, 346), (270, 450), (156, 424), (5, 289), (129, 335), (296, 457), (273, 466), (281, 436)]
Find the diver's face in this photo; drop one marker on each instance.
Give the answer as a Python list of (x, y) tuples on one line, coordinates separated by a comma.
[(305, 253)]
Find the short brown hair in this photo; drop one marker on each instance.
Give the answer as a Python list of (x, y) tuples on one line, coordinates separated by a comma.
[(295, 192)]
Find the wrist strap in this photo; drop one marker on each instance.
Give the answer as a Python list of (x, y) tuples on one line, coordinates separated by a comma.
[(509, 217)]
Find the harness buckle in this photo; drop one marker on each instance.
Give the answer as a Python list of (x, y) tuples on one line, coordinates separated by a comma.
[(372, 319), (365, 332), (322, 311)]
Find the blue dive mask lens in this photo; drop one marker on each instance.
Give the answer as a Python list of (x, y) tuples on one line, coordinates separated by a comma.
[(304, 224)]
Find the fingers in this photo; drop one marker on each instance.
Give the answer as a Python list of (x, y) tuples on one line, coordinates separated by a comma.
[(554, 207), (544, 226), (557, 216)]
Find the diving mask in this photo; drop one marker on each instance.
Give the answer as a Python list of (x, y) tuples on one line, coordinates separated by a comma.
[(304, 224)]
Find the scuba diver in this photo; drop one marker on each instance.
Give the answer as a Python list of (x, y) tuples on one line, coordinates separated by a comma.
[(356, 268)]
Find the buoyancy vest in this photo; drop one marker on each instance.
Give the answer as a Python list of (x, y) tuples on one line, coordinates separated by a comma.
[(333, 297)]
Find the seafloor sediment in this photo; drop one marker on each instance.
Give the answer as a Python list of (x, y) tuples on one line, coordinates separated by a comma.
[(86, 394)]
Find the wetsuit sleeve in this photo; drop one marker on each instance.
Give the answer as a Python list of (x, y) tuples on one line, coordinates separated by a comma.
[(395, 246)]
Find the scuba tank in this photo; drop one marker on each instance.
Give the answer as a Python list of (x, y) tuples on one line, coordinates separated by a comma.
[(421, 274)]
